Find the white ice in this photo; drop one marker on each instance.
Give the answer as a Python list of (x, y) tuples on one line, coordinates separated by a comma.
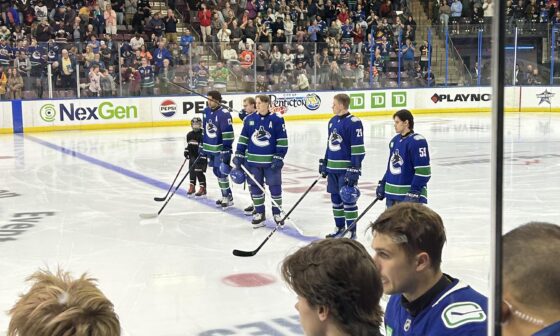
[(165, 275)]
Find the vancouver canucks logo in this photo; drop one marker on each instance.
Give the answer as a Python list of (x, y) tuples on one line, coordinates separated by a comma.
[(261, 137), (396, 163), (210, 129), (334, 141)]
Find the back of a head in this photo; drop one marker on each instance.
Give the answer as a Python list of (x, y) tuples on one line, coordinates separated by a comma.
[(530, 271), (58, 305), (416, 227), (341, 275)]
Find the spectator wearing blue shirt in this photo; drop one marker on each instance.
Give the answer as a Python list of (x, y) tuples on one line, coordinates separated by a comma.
[(160, 53), (407, 52), (313, 31)]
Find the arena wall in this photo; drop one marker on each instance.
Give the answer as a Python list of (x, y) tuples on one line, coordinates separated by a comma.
[(107, 113)]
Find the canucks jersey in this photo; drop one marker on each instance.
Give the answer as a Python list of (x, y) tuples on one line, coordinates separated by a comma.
[(218, 130), (459, 310), (345, 147), (262, 137), (408, 168), (147, 76)]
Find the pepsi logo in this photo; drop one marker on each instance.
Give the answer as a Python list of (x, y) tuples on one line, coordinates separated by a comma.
[(168, 108)]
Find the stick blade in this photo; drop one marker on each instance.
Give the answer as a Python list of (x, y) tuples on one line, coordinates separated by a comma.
[(239, 253), (148, 216), (159, 199)]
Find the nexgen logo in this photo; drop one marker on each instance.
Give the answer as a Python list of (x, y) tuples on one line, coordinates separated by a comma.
[(105, 110)]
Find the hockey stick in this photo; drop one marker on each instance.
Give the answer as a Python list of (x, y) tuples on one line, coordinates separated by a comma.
[(154, 215), (272, 199), (203, 96), (160, 199), (351, 227), (240, 253)]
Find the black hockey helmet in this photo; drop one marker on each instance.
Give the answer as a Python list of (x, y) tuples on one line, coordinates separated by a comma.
[(196, 121)]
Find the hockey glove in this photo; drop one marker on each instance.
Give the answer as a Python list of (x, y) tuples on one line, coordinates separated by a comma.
[(412, 196), (380, 190), (186, 154), (323, 167), (352, 176), (238, 160), (226, 156), (277, 162)]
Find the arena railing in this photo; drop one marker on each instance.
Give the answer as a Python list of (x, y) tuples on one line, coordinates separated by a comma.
[(269, 66)]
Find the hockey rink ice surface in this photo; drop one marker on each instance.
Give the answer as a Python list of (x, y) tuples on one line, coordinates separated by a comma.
[(83, 191)]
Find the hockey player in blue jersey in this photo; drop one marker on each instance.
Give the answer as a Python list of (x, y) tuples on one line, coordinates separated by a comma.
[(408, 170), (342, 162), (217, 143), (531, 280), (249, 107), (262, 146), (408, 239)]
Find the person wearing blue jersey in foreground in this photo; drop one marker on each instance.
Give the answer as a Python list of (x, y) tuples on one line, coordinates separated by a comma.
[(531, 280), (408, 170), (408, 239), (342, 164)]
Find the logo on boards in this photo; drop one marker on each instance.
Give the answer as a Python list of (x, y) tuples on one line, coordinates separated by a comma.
[(168, 108), (105, 110), (378, 100), (545, 97)]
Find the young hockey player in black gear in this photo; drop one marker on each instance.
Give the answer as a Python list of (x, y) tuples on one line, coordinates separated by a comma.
[(194, 141)]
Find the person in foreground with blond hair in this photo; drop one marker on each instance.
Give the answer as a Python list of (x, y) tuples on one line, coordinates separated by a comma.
[(58, 305)]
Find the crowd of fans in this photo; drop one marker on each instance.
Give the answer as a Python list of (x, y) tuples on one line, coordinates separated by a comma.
[(125, 47)]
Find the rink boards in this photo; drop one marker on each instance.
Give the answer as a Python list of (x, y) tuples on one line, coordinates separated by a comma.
[(106, 113)]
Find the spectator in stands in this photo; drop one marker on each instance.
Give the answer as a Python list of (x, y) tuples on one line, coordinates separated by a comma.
[(456, 12), (165, 78), (220, 76), (223, 35), (262, 85), (323, 61), (135, 79), (335, 76), (170, 22), (531, 295), (407, 52), (186, 41), (130, 9), (147, 78), (246, 58), (156, 25), (110, 17), (94, 88), (3, 82), (488, 8), (161, 53), (105, 83), (425, 53), (67, 70), (536, 79), (200, 75), (229, 55), (23, 64), (288, 29), (205, 19), (249, 30), (57, 304), (119, 8), (302, 81), (145, 53), (98, 20)]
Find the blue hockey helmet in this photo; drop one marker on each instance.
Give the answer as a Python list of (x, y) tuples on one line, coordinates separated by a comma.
[(349, 194), (225, 168), (237, 175)]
